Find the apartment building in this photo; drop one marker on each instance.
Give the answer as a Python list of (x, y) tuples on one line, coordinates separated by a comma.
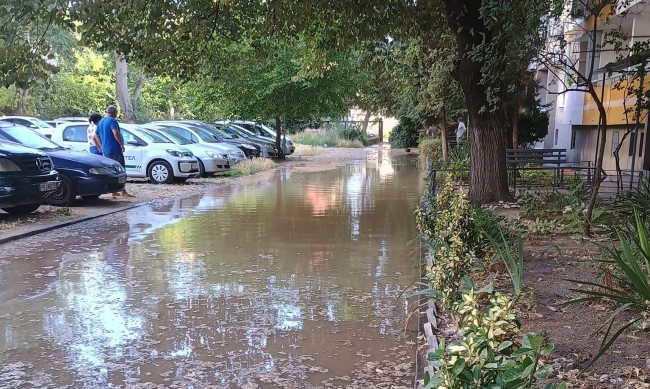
[(574, 117)]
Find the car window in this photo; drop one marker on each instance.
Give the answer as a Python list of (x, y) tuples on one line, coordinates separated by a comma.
[(206, 135), (152, 137), (40, 123), (218, 131), (75, 133), (181, 140), (128, 137), (29, 138), (181, 131)]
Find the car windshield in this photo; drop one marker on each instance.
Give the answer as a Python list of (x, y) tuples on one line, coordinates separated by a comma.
[(152, 137), (40, 123), (243, 130), (219, 132), (181, 140), (236, 131), (30, 138), (204, 134)]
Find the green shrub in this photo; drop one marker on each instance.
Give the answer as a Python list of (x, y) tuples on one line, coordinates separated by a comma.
[(430, 152), (332, 136), (405, 134), (489, 354)]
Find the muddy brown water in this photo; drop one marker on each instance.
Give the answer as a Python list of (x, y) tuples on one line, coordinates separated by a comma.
[(293, 282)]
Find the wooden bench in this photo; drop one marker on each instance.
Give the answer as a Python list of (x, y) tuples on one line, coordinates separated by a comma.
[(536, 159)]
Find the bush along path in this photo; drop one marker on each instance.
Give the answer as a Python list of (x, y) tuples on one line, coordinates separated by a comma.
[(480, 303)]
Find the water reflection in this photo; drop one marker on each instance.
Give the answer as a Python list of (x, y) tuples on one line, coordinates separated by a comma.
[(300, 276)]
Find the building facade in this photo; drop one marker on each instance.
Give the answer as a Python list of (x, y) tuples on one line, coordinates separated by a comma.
[(574, 116)]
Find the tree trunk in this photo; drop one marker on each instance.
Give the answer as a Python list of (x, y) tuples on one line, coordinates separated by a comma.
[(20, 101), (488, 181), (122, 88), (488, 175), (599, 162), (366, 120), (278, 137), (515, 127), (443, 133)]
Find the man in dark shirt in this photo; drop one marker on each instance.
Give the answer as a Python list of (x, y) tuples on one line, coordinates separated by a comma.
[(110, 137)]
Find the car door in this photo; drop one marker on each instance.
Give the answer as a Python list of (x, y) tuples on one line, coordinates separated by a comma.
[(75, 136), (133, 154)]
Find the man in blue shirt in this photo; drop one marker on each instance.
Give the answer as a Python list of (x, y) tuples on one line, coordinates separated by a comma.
[(110, 138)]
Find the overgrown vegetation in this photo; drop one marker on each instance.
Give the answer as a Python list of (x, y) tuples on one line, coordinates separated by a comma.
[(331, 136), (250, 166), (466, 240)]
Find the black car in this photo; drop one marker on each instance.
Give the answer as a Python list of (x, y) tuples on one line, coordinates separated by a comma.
[(27, 178), (81, 174)]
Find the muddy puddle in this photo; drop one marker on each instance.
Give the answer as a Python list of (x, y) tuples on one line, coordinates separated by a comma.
[(293, 282)]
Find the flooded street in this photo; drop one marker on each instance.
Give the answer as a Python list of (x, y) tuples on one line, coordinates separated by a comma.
[(291, 281)]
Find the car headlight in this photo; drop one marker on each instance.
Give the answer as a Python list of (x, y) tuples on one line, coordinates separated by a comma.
[(174, 153), (102, 171), (248, 146), (211, 154), (7, 165)]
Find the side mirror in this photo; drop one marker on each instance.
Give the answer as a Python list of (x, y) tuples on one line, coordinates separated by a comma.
[(133, 142), (33, 126)]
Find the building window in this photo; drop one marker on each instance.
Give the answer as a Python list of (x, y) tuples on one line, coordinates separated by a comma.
[(641, 144), (573, 139), (632, 150), (614, 141), (557, 133)]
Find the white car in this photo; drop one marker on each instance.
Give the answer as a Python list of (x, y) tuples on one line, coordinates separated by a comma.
[(212, 158), (263, 131), (147, 154), (35, 124)]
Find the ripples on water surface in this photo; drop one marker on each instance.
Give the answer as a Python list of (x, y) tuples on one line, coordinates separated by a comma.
[(290, 282)]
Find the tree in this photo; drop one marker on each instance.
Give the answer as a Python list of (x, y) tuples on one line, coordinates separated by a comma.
[(491, 37)]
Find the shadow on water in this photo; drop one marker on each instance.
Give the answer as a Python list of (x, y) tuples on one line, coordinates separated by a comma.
[(295, 281)]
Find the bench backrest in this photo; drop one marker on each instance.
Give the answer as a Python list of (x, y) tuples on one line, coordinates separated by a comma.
[(535, 156)]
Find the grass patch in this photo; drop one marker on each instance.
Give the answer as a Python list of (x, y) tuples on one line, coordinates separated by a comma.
[(333, 136), (250, 167)]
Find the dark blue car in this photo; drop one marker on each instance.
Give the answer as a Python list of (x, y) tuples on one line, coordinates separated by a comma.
[(81, 174), (27, 178)]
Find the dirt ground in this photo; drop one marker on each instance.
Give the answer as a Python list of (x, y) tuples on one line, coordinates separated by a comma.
[(305, 158), (550, 262)]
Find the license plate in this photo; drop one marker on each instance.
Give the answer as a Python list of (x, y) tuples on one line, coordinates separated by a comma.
[(121, 180), (194, 166), (47, 186)]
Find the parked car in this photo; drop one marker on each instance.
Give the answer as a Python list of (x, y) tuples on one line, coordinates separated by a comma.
[(268, 147), (265, 132), (81, 174), (33, 123), (27, 178), (212, 158), (147, 154), (206, 135)]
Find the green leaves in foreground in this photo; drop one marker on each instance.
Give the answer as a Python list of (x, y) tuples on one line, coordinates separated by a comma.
[(630, 288)]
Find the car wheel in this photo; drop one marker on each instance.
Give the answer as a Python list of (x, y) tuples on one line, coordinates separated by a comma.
[(160, 172), (65, 195), (201, 169), (90, 197), (21, 209)]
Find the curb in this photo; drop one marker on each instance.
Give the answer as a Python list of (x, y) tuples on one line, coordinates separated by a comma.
[(55, 226)]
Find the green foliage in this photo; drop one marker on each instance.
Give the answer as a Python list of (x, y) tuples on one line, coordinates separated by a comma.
[(331, 136), (430, 152), (533, 127), (489, 354), (628, 203), (405, 134), (629, 286), (513, 258), (250, 167)]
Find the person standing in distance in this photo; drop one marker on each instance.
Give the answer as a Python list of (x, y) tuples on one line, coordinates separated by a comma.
[(110, 139), (460, 132), (93, 146)]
